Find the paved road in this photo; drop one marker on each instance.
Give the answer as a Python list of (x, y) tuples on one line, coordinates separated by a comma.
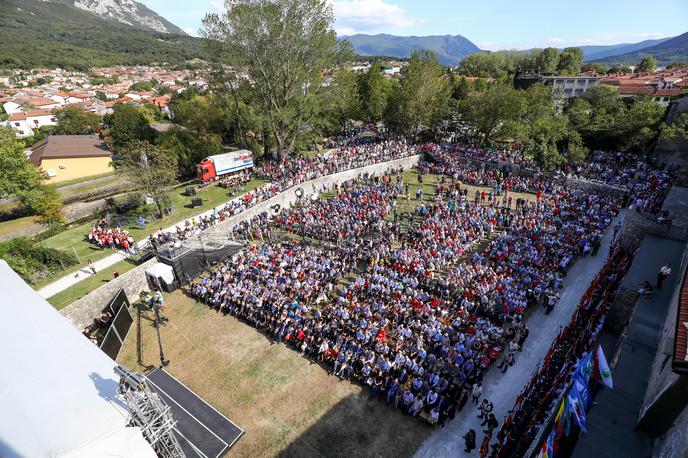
[(502, 389)]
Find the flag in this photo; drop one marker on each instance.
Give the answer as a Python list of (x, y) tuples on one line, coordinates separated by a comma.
[(577, 407), (603, 367), (585, 368)]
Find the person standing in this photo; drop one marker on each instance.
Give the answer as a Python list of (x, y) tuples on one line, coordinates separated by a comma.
[(664, 272), (469, 440), (523, 335), (92, 266), (476, 392)]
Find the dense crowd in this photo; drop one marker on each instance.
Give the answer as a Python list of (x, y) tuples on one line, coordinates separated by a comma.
[(426, 314), (282, 175), (510, 153)]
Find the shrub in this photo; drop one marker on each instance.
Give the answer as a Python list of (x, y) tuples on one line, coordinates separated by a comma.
[(33, 262)]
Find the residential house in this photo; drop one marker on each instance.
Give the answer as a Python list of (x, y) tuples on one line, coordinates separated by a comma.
[(68, 157)]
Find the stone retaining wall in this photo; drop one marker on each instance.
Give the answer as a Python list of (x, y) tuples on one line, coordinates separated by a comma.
[(83, 311)]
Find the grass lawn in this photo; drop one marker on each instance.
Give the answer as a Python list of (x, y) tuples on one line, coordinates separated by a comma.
[(62, 184), (286, 405), (74, 238), (14, 226), (79, 290)]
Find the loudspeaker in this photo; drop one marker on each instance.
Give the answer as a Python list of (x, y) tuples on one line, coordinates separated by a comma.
[(197, 202), (191, 191)]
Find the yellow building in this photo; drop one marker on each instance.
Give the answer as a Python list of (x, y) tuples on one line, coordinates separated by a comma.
[(69, 157)]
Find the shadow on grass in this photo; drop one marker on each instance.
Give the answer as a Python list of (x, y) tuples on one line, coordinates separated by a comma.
[(359, 426)]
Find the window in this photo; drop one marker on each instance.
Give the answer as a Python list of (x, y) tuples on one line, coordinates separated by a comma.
[(16, 124), (35, 121), (53, 119)]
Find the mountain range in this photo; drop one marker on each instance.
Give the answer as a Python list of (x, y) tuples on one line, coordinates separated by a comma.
[(65, 33), (450, 49), (89, 33), (671, 50)]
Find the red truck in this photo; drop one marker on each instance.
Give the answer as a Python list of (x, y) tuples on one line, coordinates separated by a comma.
[(221, 165)]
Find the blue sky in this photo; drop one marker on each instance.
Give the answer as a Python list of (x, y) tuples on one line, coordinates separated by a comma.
[(490, 24)]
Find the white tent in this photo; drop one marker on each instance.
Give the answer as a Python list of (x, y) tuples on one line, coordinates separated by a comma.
[(160, 270), (58, 391)]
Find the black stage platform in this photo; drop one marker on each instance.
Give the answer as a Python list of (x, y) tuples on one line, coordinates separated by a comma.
[(201, 430)]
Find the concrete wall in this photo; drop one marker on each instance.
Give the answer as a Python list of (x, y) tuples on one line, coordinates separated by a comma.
[(82, 311), (666, 390), (76, 167), (636, 225)]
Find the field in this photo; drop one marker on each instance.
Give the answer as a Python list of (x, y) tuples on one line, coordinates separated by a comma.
[(287, 405)]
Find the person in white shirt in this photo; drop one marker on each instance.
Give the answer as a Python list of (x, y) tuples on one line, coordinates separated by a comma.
[(664, 272)]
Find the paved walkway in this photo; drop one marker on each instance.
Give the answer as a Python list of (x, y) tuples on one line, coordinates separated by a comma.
[(611, 422), (502, 389)]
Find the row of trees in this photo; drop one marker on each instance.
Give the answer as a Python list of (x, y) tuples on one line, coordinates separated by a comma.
[(500, 64)]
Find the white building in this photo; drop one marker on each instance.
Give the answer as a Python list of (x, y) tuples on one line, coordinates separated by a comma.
[(570, 86), (25, 123)]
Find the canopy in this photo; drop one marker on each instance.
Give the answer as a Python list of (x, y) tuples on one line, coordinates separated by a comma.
[(58, 391), (160, 270)]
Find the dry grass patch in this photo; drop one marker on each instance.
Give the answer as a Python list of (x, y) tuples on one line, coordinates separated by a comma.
[(287, 405)]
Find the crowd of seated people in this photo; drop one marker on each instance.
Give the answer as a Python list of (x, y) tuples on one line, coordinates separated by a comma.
[(110, 237), (291, 172), (421, 322)]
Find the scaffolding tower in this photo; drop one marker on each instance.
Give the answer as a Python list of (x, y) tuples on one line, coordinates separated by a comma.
[(150, 413)]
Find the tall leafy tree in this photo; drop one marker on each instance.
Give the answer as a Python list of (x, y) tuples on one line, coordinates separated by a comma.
[(422, 96), (492, 112), (647, 64), (374, 89), (570, 61), (189, 149), (546, 60), (151, 168), (284, 46), (128, 124), (21, 179), (74, 121)]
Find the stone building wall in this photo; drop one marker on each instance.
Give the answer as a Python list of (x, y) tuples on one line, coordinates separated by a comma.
[(82, 311)]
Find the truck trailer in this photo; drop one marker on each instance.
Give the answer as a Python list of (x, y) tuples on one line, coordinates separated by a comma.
[(223, 165)]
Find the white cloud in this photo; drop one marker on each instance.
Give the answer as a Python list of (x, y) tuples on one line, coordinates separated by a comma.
[(369, 16), (219, 5), (193, 31), (556, 41)]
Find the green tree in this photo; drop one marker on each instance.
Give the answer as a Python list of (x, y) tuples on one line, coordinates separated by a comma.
[(284, 46), (647, 64), (546, 60), (189, 149), (75, 121), (492, 112), (21, 179), (200, 114), (341, 101), (461, 88), (374, 89), (423, 94), (100, 95), (570, 61), (150, 168), (676, 129), (128, 124)]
